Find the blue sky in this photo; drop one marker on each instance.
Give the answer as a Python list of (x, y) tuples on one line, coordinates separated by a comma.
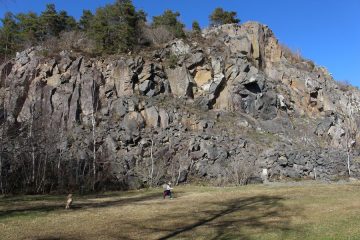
[(326, 31)]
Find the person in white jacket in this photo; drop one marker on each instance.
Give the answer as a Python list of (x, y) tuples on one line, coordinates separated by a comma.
[(167, 190)]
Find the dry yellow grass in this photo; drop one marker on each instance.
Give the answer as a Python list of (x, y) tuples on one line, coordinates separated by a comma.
[(289, 211)]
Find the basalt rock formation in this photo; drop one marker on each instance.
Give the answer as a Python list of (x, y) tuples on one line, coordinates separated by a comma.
[(233, 106)]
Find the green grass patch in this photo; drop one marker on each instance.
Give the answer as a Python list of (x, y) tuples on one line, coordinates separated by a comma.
[(278, 211)]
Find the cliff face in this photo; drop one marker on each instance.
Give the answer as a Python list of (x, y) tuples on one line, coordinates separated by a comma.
[(235, 102)]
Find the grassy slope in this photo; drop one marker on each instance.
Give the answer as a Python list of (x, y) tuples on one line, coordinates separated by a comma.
[(306, 211)]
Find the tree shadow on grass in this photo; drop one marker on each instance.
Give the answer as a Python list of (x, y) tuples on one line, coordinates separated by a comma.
[(235, 219), (58, 237), (43, 208)]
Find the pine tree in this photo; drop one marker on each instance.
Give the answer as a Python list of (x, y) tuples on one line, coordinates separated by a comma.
[(9, 35), (85, 20), (169, 19), (66, 22), (196, 27), (219, 17), (49, 21), (28, 25), (114, 27)]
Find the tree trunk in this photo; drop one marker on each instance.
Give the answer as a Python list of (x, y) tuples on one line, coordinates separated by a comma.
[(44, 172), (179, 173), (348, 162), (77, 172), (93, 122), (152, 164), (32, 145), (1, 182), (4, 127), (58, 170)]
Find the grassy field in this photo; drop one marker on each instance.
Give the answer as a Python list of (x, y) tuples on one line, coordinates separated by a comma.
[(278, 211)]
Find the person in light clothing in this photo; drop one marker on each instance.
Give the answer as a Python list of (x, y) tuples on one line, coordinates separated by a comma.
[(167, 190)]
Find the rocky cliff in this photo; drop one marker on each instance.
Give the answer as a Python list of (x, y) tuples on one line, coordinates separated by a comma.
[(233, 106)]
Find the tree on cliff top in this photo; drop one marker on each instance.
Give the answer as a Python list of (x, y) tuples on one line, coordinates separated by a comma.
[(196, 27), (169, 19), (85, 20), (219, 16), (52, 23), (114, 27), (8, 36)]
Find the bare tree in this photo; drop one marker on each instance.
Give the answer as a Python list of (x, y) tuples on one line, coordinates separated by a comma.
[(152, 164), (2, 134), (239, 171), (351, 132), (93, 123)]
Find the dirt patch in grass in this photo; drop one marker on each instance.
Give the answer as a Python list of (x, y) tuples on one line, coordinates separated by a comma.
[(310, 211)]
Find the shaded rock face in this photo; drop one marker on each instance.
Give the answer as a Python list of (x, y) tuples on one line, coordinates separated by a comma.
[(238, 99)]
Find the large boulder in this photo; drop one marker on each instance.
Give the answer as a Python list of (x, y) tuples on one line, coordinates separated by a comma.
[(164, 118), (151, 116), (241, 45), (122, 78), (132, 123), (202, 77), (180, 81), (179, 47)]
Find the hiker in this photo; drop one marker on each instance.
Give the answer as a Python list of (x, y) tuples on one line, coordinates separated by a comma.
[(167, 190)]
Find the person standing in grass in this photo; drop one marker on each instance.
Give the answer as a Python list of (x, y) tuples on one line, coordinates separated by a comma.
[(167, 190)]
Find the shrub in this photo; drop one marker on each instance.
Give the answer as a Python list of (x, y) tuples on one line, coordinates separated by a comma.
[(239, 171), (172, 61), (293, 57), (70, 41), (344, 85), (156, 35)]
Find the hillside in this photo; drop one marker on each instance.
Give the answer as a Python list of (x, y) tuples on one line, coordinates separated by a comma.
[(230, 107)]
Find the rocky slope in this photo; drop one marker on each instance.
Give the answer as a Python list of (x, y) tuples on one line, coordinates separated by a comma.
[(233, 106)]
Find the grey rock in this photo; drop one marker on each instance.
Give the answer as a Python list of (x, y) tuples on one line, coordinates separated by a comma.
[(255, 102), (118, 108), (134, 182), (145, 86), (179, 47), (122, 78), (183, 176), (195, 59), (164, 118), (282, 161), (146, 72), (132, 123), (180, 81), (242, 45), (151, 116)]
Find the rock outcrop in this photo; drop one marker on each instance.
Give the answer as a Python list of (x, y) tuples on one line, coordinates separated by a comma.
[(236, 101)]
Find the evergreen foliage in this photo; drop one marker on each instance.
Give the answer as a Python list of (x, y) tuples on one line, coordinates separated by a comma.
[(49, 22), (196, 27), (9, 41), (114, 27), (28, 25), (219, 16), (26, 29), (169, 19), (85, 20)]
